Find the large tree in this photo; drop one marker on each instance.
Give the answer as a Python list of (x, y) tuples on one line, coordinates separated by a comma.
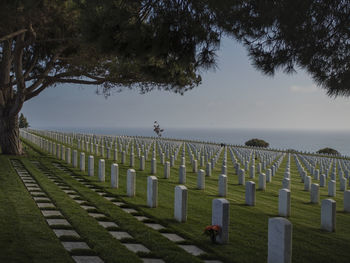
[(112, 44), (162, 44)]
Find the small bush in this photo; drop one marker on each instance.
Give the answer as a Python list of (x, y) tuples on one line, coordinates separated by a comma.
[(257, 143), (328, 151)]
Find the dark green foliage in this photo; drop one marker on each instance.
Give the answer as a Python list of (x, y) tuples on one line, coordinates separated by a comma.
[(328, 151), (257, 143), (288, 34), (23, 123)]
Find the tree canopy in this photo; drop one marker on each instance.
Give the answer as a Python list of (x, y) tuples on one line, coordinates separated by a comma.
[(287, 34), (257, 143), (328, 150)]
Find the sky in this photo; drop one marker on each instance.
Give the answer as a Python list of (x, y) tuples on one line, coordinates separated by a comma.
[(235, 95)]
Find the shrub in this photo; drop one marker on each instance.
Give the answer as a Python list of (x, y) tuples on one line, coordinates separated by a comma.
[(257, 143), (328, 151)]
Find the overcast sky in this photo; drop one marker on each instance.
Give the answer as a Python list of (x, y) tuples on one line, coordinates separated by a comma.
[(236, 95)]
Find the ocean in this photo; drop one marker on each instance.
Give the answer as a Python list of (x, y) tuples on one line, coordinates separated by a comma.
[(301, 140)]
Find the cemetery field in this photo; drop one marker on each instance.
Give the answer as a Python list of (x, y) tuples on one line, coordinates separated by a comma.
[(88, 204)]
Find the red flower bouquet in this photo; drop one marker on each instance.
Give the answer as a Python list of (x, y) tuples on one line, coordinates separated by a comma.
[(212, 232)]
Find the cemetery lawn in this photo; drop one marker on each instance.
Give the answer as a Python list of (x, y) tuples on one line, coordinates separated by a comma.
[(25, 235)]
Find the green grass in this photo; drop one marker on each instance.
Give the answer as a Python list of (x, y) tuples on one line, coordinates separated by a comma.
[(24, 234), (248, 225)]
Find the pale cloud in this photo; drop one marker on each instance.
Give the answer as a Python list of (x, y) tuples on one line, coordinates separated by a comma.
[(303, 89)]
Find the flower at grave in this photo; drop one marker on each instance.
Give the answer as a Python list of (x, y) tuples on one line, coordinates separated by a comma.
[(212, 231)]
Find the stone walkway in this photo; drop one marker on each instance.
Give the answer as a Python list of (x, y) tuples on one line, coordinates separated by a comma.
[(101, 218), (192, 249), (54, 218)]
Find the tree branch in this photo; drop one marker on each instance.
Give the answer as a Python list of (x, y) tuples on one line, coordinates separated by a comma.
[(76, 81), (43, 76), (37, 91), (12, 35)]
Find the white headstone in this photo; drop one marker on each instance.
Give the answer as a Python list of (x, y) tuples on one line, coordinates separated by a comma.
[(154, 166), (222, 184), (152, 191), (286, 183), (241, 177), (279, 240), (328, 212), (347, 201), (114, 175), (91, 165), (194, 166), (322, 180), (250, 193), (180, 204), (68, 156), (208, 170), (142, 163), (201, 179), (252, 172), (131, 183), (262, 181), (307, 183), (167, 170), (101, 170), (182, 174), (75, 158), (315, 194), (284, 202), (82, 161), (221, 217), (332, 188), (342, 181)]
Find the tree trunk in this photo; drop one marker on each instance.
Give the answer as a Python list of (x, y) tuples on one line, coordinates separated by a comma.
[(9, 135)]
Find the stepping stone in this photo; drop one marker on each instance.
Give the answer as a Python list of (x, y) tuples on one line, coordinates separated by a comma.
[(79, 201), (107, 224), (120, 235), (96, 215), (118, 203), (45, 205), (75, 245), (129, 210), (86, 207), (51, 213), (28, 181), (41, 199), (136, 247), (109, 198), (87, 259), (102, 193), (212, 261), (173, 237), (155, 226), (152, 260), (65, 232), (53, 222), (31, 185), (141, 218), (33, 189), (195, 251)]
